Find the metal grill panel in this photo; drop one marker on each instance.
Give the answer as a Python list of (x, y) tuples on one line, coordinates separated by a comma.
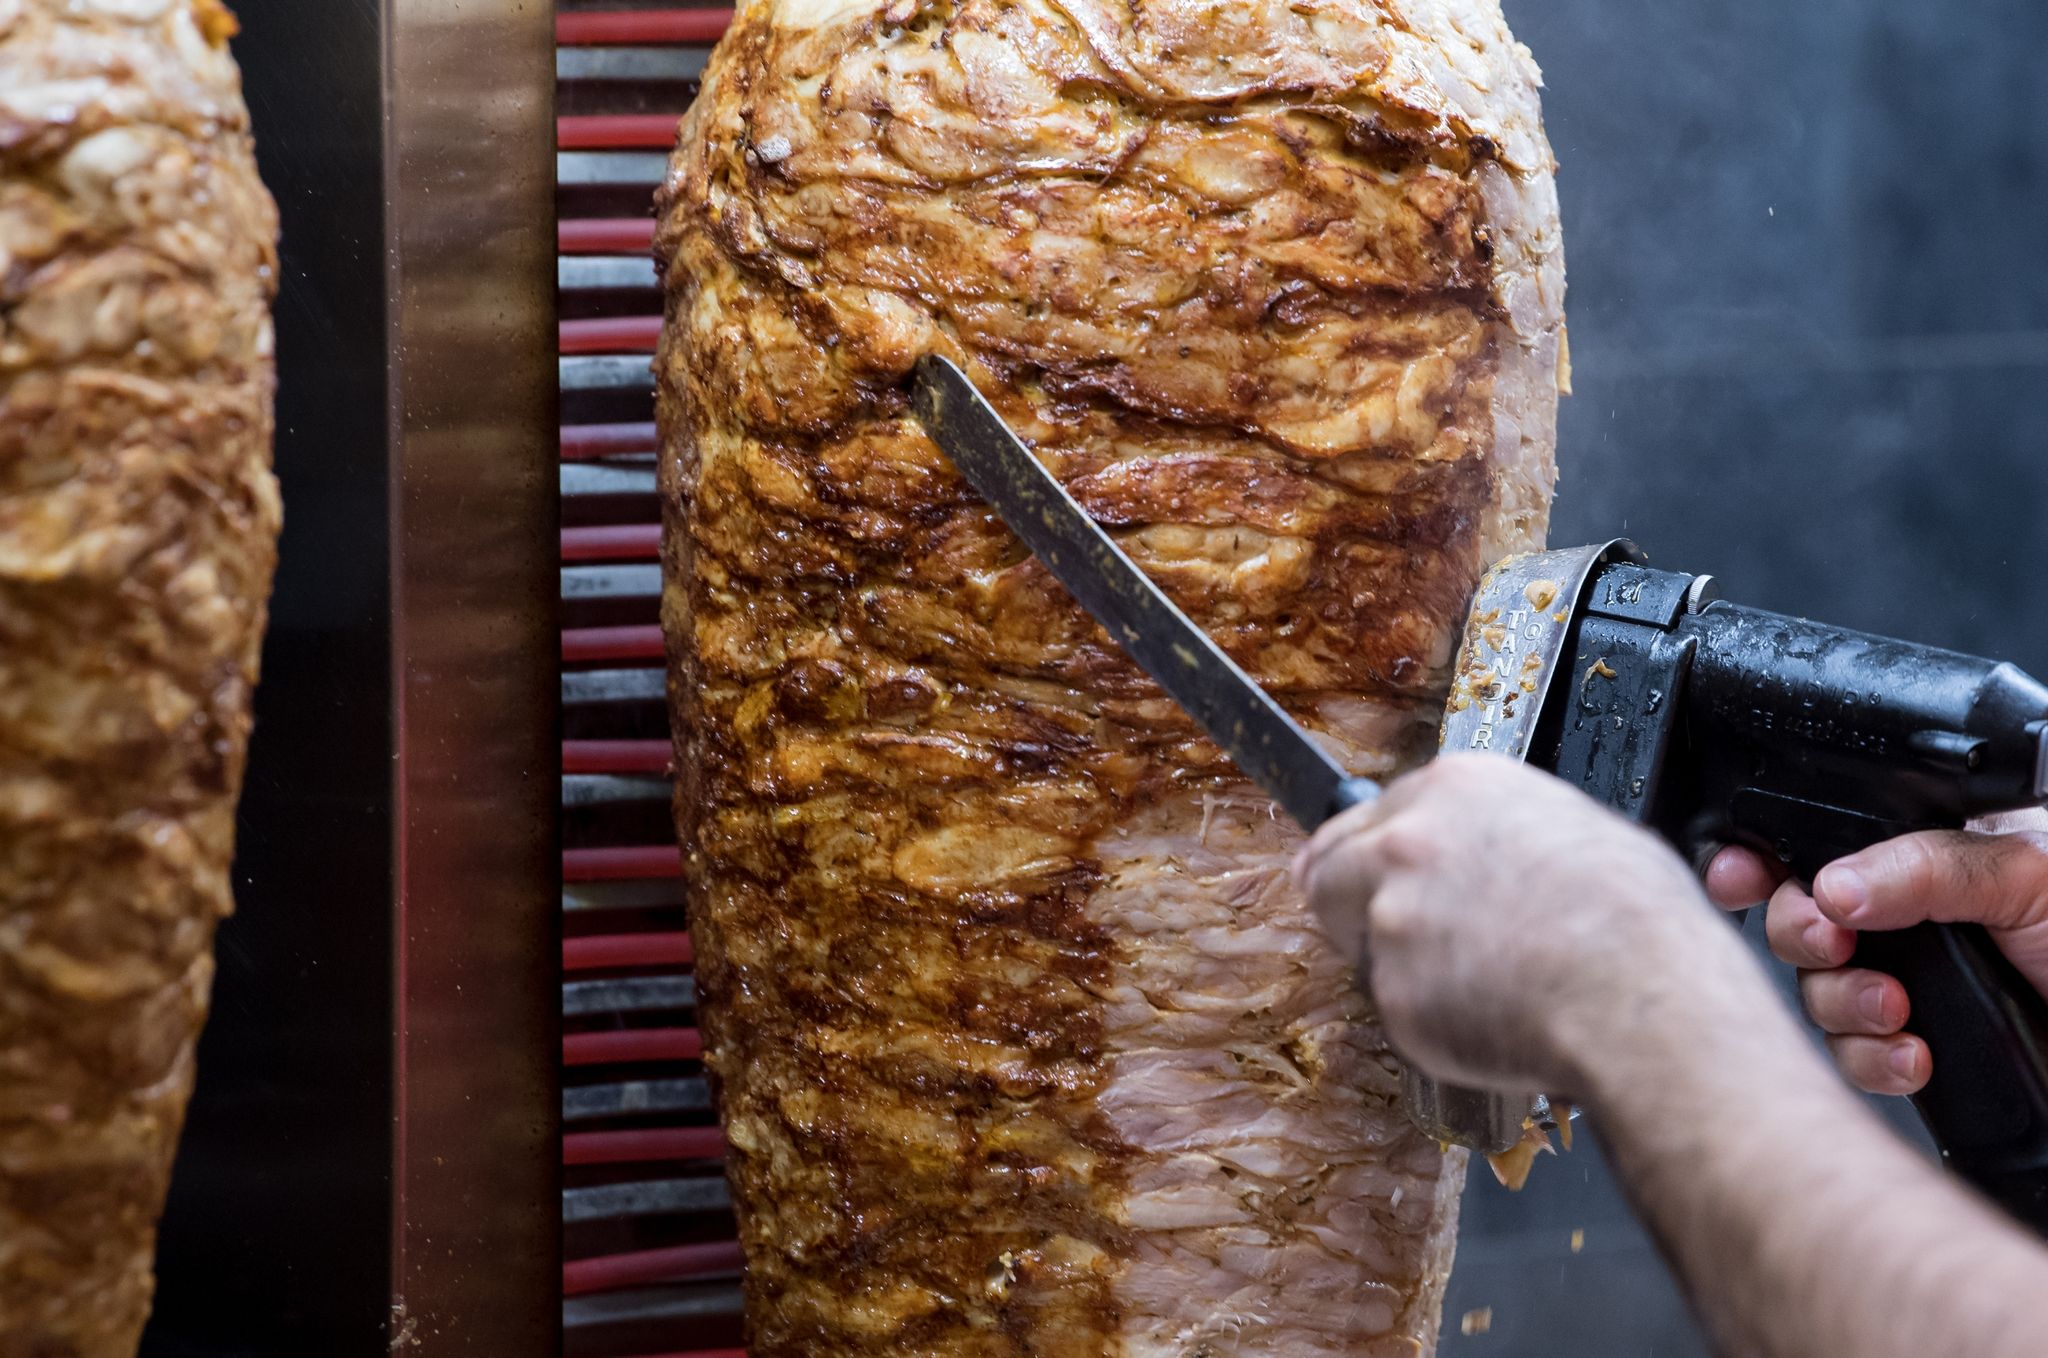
[(652, 1258)]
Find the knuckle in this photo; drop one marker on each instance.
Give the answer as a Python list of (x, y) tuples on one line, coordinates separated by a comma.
[(1787, 919), (1916, 863), (1833, 1000), (2029, 854), (1349, 863), (2033, 851), (1396, 921), (1855, 1058), (1409, 843), (2027, 886), (1468, 766), (1439, 773), (1790, 901), (1446, 782), (1470, 774)]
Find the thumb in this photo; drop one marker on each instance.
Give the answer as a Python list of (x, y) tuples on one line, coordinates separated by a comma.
[(1948, 877)]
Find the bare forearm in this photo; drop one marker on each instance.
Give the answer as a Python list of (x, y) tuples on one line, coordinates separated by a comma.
[(1800, 1224), (1577, 954)]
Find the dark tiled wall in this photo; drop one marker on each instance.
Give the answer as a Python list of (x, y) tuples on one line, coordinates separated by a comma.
[(1809, 259)]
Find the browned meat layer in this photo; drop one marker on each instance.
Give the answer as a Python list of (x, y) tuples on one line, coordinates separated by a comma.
[(138, 522), (1024, 1043)]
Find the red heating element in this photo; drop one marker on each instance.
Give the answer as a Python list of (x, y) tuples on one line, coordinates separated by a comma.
[(606, 335), (652, 1257), (646, 27), (616, 132), (605, 235)]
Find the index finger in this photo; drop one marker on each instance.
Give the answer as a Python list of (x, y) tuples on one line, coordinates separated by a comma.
[(1340, 830), (1740, 878)]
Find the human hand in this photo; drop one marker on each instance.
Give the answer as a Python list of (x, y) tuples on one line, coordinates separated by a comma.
[(1510, 927), (1995, 875)]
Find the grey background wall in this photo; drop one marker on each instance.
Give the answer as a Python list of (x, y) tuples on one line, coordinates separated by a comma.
[(1809, 301), (1809, 307)]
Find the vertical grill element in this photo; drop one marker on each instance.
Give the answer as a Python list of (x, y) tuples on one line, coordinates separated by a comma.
[(652, 1260)]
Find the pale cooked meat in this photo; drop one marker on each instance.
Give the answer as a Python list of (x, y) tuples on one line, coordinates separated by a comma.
[(138, 523), (1025, 1044)]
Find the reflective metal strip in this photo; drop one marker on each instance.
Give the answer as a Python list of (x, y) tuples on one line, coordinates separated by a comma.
[(597, 789), (614, 686), (645, 1200), (602, 169), (630, 63), (593, 896), (583, 478), (587, 1103), (609, 372), (638, 995), (652, 1308), (611, 582), (605, 273)]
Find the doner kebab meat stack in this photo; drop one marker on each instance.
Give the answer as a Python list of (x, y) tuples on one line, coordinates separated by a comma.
[(1024, 1042)]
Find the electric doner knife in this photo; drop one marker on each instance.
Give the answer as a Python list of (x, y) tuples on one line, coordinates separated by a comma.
[(1709, 722)]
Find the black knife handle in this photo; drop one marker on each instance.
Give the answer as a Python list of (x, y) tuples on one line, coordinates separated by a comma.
[(1987, 1027)]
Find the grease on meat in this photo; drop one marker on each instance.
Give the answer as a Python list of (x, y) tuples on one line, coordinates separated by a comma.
[(1024, 1042)]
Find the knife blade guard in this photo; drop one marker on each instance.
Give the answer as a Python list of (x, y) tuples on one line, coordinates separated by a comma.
[(1515, 639)]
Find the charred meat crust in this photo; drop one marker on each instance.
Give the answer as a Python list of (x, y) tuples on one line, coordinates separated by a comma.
[(1276, 289)]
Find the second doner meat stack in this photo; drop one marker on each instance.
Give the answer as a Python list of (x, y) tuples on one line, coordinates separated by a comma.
[(1025, 1044), (138, 533)]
